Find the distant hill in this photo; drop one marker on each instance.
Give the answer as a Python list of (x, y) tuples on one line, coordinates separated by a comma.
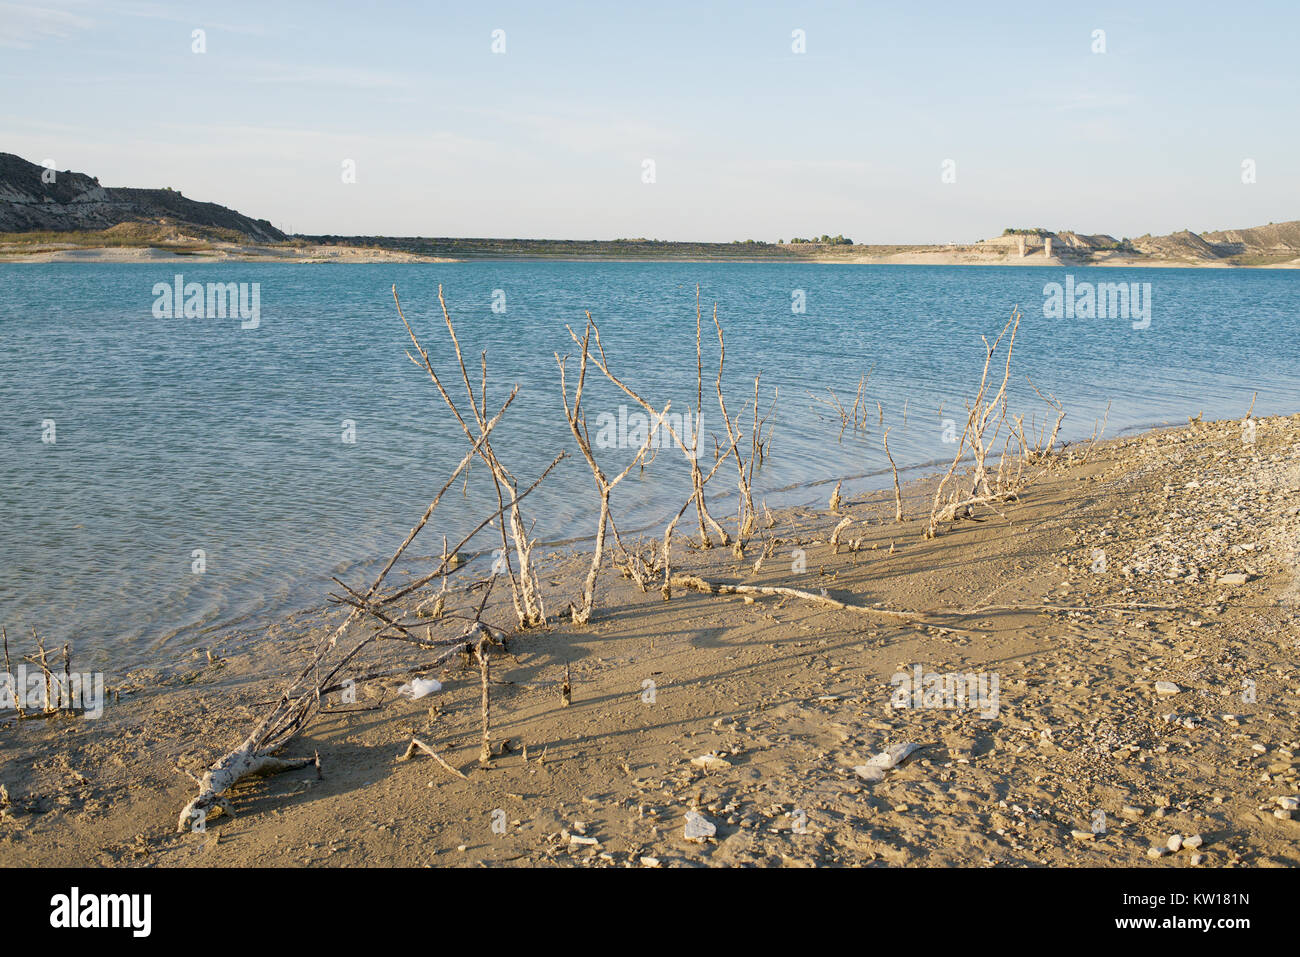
[(1261, 245), (1183, 244), (75, 202), (1273, 239)]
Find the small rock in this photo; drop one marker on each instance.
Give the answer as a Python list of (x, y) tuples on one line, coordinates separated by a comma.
[(1234, 578), (1175, 842), (1165, 688), (710, 762), (698, 827), (1193, 842), (1198, 859), (1083, 835), (893, 756)]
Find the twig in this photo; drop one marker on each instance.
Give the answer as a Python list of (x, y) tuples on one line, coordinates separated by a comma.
[(898, 492), (417, 744), (694, 583)]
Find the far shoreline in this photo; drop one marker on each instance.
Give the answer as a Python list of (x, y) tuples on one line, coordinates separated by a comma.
[(365, 255)]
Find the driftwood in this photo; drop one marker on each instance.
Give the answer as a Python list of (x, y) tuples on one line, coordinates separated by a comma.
[(377, 607), (638, 567), (699, 481), (605, 485), (980, 414), (255, 755), (56, 693), (9, 669), (746, 514), (695, 583), (418, 745), (525, 589), (898, 492)]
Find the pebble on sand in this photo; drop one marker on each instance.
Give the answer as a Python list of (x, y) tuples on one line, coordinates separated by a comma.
[(1167, 688), (891, 757), (710, 762), (698, 827)]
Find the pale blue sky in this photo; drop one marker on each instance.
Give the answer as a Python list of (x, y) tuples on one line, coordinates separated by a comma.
[(749, 139)]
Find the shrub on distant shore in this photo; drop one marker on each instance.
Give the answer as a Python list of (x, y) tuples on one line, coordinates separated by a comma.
[(826, 241)]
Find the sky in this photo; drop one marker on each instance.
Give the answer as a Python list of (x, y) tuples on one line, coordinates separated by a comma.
[(748, 138)]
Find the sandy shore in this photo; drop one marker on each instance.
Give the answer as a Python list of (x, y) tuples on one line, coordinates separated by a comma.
[(973, 255), (218, 252), (760, 709)]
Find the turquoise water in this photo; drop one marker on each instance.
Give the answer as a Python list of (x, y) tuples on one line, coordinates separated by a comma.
[(179, 434)]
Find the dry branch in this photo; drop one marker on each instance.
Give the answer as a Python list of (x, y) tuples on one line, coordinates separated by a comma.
[(255, 755), (577, 422), (695, 583), (975, 436), (898, 492), (525, 589), (698, 480), (418, 745)]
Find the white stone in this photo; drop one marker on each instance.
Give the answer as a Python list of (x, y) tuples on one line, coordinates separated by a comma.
[(698, 827), (892, 756), (710, 762)]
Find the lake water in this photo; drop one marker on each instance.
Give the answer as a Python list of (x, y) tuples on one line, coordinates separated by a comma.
[(175, 434)]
